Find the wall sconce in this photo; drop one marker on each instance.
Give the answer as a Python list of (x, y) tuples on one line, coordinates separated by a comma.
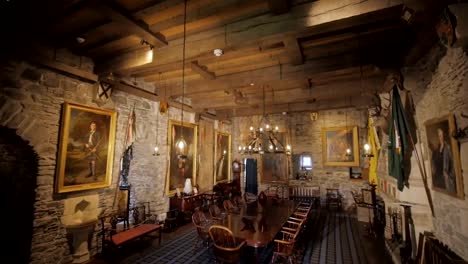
[(367, 152)]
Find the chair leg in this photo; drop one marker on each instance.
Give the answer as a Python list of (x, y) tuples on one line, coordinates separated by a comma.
[(273, 258)]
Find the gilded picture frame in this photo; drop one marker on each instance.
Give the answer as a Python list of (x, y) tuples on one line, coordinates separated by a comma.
[(335, 141), (182, 164), (222, 157), (444, 157), (86, 148)]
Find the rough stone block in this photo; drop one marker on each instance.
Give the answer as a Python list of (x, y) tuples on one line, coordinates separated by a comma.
[(37, 135), (50, 79), (68, 85), (16, 94), (31, 74)]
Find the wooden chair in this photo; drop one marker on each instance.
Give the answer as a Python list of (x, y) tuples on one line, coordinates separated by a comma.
[(202, 224), (170, 222), (316, 199), (366, 202), (216, 213), (262, 198), (229, 207), (284, 247), (226, 248), (237, 201), (333, 198)]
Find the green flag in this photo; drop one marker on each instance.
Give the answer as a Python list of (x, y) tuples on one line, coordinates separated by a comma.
[(397, 143)]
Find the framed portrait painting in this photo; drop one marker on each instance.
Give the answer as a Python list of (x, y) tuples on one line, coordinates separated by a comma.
[(222, 155), (335, 143), (444, 155), (86, 148), (275, 168), (182, 142)]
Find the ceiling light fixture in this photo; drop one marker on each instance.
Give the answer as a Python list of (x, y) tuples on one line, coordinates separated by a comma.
[(265, 135), (80, 40), (218, 52)]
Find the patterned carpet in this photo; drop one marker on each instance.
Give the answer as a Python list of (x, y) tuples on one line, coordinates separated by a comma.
[(331, 237)]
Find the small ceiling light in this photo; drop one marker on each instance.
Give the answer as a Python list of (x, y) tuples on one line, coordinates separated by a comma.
[(252, 84), (80, 40), (218, 52)]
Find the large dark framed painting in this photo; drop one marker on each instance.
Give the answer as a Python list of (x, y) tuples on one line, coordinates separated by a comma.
[(86, 149), (182, 163), (335, 142), (222, 154), (275, 168), (445, 157)]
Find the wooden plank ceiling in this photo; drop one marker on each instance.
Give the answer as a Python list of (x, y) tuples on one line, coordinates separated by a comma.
[(287, 55)]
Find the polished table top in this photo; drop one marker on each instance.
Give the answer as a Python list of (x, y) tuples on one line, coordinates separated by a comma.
[(258, 224)]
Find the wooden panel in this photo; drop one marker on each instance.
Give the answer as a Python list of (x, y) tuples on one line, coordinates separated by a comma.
[(206, 146), (124, 44)]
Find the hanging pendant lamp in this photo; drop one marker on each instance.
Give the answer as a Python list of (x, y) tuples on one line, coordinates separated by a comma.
[(181, 144)]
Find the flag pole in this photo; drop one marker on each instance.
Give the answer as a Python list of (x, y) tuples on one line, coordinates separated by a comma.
[(124, 149), (422, 168)]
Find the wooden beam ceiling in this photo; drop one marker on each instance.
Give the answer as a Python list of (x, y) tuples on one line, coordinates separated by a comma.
[(310, 53), (140, 29)]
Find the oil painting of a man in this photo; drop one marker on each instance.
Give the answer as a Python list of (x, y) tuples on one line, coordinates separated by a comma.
[(86, 150), (444, 155)]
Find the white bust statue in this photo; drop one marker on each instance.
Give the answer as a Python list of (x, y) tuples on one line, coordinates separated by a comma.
[(188, 186)]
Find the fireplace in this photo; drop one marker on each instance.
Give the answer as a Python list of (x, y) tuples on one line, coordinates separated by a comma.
[(18, 170)]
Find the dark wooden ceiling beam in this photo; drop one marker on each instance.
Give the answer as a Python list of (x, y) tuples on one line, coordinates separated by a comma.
[(140, 92), (278, 7), (221, 17), (310, 69), (293, 95), (64, 68), (294, 50), (196, 67), (131, 59), (359, 102), (138, 28), (250, 33), (230, 53)]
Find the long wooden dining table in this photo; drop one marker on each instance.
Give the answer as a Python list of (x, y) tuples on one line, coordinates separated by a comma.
[(258, 224)]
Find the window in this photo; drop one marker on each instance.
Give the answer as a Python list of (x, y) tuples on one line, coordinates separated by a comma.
[(306, 162)]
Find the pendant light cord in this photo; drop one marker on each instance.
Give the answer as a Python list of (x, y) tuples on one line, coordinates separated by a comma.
[(183, 65)]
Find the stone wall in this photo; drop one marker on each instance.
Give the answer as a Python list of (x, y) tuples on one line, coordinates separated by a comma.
[(305, 136), (31, 100), (439, 85)]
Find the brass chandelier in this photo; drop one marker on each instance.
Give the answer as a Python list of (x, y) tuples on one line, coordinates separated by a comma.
[(264, 138)]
